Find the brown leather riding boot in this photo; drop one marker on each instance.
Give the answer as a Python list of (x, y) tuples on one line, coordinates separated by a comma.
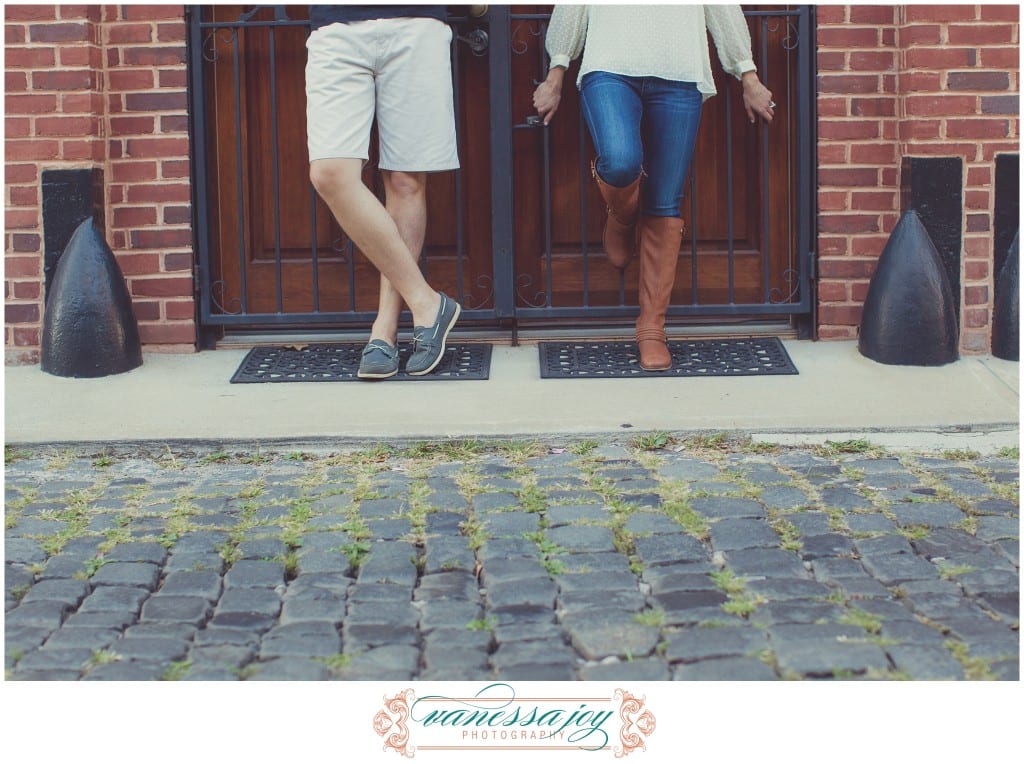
[(620, 226), (659, 252)]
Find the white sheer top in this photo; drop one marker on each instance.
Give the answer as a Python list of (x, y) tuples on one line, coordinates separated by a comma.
[(667, 41)]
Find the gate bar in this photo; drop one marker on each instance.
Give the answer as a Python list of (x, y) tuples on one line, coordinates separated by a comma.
[(502, 235)]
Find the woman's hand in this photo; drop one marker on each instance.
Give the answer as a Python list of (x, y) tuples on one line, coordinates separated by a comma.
[(548, 94), (757, 99)]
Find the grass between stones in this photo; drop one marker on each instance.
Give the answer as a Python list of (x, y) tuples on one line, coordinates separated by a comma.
[(76, 515), (101, 658), (483, 624), (20, 591), (654, 617), (961, 455), (914, 532), (356, 552), (975, 668), (548, 552), (950, 572), (619, 509), (749, 446), (532, 499), (652, 441), (789, 534), (335, 663), (675, 502), (832, 448), (176, 671), (418, 508), (12, 454), (857, 617), (60, 460), (741, 602), (474, 532), (583, 447)]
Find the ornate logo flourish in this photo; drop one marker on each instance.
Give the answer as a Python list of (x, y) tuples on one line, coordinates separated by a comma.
[(390, 723), (637, 723)]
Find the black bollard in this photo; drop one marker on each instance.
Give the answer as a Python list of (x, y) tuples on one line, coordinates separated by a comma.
[(1006, 307), (909, 314), (933, 187), (69, 197), (89, 329), (1006, 215)]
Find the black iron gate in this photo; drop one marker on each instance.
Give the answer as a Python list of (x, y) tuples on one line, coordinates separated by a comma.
[(524, 276)]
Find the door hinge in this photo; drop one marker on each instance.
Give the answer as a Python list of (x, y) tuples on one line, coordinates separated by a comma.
[(812, 265)]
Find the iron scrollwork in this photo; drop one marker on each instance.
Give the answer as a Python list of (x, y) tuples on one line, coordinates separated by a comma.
[(227, 37), (484, 282), (219, 299), (792, 39), (342, 246), (791, 277), (524, 281), (521, 47)]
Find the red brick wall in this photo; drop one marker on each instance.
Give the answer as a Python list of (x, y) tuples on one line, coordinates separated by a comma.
[(100, 86), (52, 102), (899, 81), (104, 86)]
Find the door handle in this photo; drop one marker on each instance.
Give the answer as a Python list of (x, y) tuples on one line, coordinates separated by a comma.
[(477, 40)]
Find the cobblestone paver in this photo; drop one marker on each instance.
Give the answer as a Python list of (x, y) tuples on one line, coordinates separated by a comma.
[(697, 559)]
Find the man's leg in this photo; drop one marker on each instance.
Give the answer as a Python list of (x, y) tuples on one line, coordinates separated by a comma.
[(345, 77), (405, 195), (366, 221)]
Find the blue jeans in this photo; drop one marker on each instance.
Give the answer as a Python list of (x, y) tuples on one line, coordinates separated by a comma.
[(643, 122)]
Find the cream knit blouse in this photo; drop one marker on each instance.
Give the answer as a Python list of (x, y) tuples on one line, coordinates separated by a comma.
[(667, 41)]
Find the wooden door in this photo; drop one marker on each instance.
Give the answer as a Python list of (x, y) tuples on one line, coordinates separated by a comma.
[(741, 243), (275, 248)]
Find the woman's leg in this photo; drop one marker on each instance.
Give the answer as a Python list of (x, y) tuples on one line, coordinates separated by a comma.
[(671, 118), (612, 109), (670, 122)]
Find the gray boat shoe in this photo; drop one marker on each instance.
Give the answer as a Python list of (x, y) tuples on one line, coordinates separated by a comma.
[(428, 341), (379, 361)]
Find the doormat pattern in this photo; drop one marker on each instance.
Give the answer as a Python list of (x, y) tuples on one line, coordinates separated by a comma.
[(690, 358), (339, 363)]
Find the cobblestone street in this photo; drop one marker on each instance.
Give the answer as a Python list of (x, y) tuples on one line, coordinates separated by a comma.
[(644, 559)]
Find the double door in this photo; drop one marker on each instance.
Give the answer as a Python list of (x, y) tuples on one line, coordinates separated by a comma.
[(515, 234)]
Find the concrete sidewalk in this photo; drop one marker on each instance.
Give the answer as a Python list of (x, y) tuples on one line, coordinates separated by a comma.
[(973, 403)]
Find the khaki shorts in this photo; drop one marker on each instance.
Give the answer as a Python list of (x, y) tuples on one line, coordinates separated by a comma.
[(398, 68)]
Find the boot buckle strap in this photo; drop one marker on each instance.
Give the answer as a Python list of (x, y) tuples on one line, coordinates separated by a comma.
[(593, 170), (657, 335)]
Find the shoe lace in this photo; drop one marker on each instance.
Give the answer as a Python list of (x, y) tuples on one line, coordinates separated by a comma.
[(372, 348)]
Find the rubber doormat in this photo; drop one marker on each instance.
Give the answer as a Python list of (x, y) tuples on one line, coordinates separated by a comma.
[(690, 358), (339, 363)]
